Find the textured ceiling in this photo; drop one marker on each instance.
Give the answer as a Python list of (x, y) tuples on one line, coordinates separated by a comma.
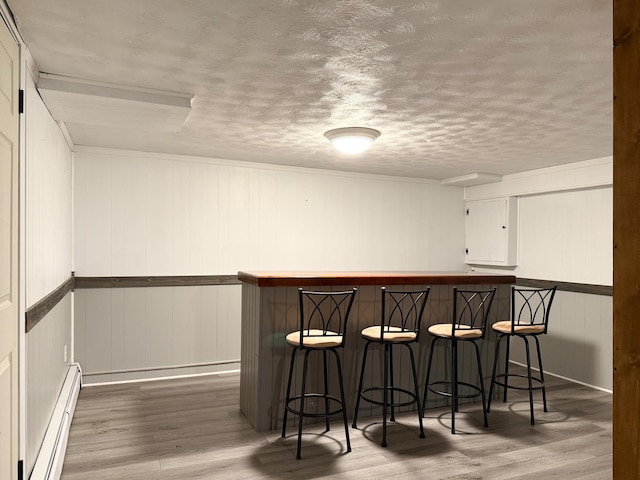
[(455, 87)]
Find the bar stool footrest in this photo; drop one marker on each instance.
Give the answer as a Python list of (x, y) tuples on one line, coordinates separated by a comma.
[(516, 387), (312, 414), (477, 391), (391, 390)]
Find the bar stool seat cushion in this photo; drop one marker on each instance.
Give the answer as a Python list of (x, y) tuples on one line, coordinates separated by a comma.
[(462, 331), (314, 338), (505, 327), (391, 334)]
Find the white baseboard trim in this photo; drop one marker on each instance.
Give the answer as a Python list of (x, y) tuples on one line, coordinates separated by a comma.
[(564, 378), (155, 373), (155, 379), (48, 465)]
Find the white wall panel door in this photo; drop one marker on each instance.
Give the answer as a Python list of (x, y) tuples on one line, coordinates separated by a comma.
[(8, 255)]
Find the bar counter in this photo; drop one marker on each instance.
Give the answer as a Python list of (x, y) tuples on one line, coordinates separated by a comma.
[(270, 311)]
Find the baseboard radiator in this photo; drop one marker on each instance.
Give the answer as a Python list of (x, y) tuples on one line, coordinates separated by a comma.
[(48, 465)]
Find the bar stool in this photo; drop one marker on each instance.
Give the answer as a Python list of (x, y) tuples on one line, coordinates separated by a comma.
[(323, 323), (530, 309), (401, 316), (468, 325)]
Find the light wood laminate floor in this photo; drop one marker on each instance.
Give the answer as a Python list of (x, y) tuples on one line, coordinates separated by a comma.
[(192, 428)]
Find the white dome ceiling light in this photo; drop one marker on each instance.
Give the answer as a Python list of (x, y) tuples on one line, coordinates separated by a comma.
[(352, 140)]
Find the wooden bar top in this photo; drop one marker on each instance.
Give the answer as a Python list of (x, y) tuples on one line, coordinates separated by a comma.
[(337, 278)]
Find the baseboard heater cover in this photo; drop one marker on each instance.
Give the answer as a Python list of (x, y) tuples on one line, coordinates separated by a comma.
[(48, 465)]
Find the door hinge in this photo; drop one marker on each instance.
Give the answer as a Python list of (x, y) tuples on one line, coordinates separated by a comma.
[(21, 466), (20, 101)]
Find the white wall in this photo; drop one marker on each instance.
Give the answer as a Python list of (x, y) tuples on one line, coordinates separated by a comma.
[(565, 235), (48, 202), (145, 214), (48, 264)]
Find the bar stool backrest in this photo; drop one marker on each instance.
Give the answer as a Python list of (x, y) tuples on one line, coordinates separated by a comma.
[(324, 314), (531, 306), (402, 310), (471, 309)]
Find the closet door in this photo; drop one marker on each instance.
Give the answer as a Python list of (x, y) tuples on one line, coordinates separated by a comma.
[(8, 255)]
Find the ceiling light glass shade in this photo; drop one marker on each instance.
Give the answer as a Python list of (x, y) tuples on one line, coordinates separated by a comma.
[(352, 140)]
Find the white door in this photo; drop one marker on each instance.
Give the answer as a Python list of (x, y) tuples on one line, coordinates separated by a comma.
[(8, 255)]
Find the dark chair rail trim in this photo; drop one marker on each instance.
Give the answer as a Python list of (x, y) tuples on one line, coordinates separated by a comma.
[(40, 309), (157, 281), (587, 288)]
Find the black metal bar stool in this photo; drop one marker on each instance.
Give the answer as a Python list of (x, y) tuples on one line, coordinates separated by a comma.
[(530, 309), (323, 323), (401, 316), (468, 325)]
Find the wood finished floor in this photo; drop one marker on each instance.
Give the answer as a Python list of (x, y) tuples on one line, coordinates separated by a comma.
[(192, 428)]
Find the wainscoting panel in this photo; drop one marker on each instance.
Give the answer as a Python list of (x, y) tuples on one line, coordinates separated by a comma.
[(45, 372), (578, 345), (136, 333)]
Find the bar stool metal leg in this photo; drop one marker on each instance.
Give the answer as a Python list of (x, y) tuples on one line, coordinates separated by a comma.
[(416, 389), (426, 384), (302, 402), (359, 394), (481, 379), (385, 392), (494, 371), (393, 410), (530, 381), (326, 389), (288, 395), (344, 404), (544, 391), (454, 384), (506, 370)]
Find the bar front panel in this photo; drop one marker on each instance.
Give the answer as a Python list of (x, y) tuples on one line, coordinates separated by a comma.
[(269, 313)]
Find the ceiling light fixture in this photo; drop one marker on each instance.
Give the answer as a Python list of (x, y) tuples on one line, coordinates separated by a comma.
[(352, 140)]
